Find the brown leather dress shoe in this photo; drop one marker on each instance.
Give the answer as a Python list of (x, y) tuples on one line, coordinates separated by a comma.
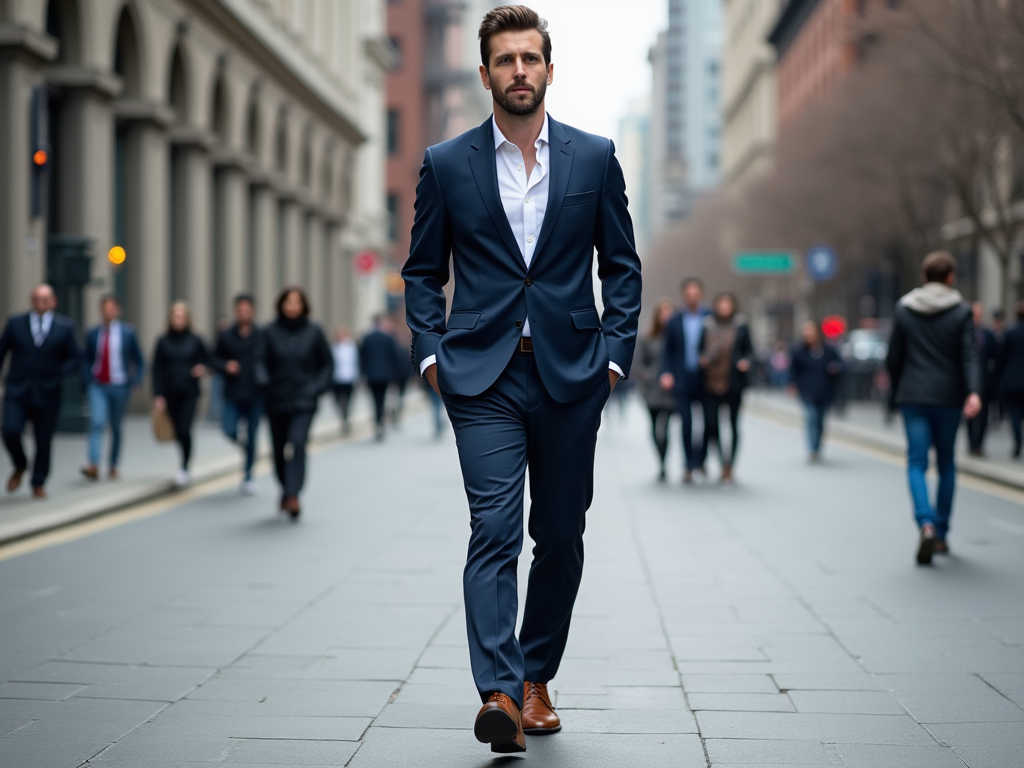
[(14, 481), (38, 492), (538, 713), (500, 724), (91, 472)]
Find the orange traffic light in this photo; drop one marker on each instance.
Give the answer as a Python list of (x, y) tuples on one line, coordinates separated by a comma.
[(40, 157), (116, 255)]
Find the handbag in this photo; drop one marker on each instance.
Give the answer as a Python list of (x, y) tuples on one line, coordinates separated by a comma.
[(163, 427)]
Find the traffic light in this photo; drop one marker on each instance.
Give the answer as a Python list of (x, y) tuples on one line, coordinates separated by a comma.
[(39, 149)]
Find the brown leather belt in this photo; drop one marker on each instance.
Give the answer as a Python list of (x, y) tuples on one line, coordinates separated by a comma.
[(526, 345)]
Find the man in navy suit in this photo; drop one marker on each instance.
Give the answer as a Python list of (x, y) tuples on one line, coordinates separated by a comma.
[(681, 372), (524, 363), (43, 351), (111, 369)]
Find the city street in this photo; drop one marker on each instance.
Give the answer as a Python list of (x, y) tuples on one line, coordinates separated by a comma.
[(779, 622)]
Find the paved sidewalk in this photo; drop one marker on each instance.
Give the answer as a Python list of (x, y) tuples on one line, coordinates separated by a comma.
[(147, 469), (866, 424), (780, 622)]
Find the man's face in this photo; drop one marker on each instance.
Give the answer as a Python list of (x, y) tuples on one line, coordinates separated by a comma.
[(110, 311), (978, 310), (693, 295), (43, 300), (810, 334), (243, 312), (517, 76)]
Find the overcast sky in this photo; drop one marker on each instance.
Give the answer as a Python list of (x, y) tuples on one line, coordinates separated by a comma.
[(599, 48)]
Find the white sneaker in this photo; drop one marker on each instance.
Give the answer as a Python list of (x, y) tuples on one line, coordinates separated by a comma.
[(181, 479), (248, 488)]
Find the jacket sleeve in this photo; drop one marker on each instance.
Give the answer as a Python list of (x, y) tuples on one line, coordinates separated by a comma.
[(618, 266), (325, 364), (744, 346), (426, 271), (220, 354), (896, 356), (158, 370), (970, 357), (260, 371)]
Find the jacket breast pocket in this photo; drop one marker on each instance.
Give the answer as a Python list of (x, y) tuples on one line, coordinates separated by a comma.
[(586, 319), (580, 198), (463, 321)]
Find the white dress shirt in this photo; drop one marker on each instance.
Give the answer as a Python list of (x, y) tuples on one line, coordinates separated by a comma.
[(118, 375), (40, 326), (525, 200), (346, 362)]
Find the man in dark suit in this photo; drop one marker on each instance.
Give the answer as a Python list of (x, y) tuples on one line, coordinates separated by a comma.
[(112, 367), (380, 358), (524, 363), (681, 372), (43, 351), (988, 355)]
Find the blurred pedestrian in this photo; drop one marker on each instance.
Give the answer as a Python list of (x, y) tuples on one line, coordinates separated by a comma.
[(814, 369), (726, 357), (988, 358), (378, 358), (437, 406), (403, 372), (298, 365), (179, 362), (661, 404), (43, 351), (936, 376), (681, 372), (112, 367), (1011, 377), (778, 365), (997, 408), (236, 356), (346, 373)]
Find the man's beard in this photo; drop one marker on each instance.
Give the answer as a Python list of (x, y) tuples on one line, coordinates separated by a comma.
[(518, 107)]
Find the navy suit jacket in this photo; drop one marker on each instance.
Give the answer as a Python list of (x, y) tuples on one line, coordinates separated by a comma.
[(459, 216), (674, 356), (381, 358), (131, 355), (36, 374)]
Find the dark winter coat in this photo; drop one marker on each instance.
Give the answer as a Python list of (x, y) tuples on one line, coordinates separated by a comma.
[(816, 377), (242, 387), (297, 365), (1011, 361), (176, 354)]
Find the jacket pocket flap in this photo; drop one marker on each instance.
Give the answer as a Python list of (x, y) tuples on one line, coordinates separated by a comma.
[(586, 319), (580, 198), (463, 320)]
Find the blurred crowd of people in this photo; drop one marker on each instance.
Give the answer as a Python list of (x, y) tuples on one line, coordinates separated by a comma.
[(279, 371)]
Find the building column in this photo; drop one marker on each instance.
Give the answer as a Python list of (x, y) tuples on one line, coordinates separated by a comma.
[(193, 235), (291, 252), (334, 279), (264, 248), (22, 238), (147, 240), (230, 245), (316, 269)]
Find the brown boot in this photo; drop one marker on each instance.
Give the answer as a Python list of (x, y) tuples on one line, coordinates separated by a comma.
[(500, 724), (727, 473), (14, 481), (538, 713), (91, 472)]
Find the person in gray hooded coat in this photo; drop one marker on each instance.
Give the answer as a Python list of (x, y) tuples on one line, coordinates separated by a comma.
[(936, 375)]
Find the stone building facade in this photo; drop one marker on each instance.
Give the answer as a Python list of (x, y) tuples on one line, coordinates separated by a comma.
[(226, 145)]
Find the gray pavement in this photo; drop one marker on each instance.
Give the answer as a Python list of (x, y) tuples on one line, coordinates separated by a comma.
[(778, 622)]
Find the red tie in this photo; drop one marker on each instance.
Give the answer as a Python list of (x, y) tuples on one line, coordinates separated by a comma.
[(103, 375)]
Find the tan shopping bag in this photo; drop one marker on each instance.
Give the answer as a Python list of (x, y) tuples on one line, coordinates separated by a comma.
[(163, 427)]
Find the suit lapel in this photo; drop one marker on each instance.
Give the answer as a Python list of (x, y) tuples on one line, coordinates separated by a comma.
[(482, 162), (560, 157)]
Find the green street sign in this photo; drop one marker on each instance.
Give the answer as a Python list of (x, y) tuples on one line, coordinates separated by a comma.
[(765, 262)]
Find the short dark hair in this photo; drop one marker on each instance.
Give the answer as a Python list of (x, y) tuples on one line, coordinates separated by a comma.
[(247, 297), (691, 281), (512, 18), (938, 266), (284, 296), (727, 295), (109, 297)]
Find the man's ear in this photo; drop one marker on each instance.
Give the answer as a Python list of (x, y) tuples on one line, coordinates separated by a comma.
[(485, 77), (551, 73)]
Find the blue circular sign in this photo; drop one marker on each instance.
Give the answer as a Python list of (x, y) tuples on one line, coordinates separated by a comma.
[(822, 263)]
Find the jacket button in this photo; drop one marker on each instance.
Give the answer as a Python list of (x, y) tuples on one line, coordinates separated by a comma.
[(519, 323), (529, 281)]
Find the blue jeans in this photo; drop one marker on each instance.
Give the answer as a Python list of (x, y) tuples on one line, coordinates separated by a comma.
[(815, 425), (929, 425), (107, 403), (252, 412)]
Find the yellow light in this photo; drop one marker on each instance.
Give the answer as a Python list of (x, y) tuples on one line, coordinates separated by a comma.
[(40, 157), (116, 255)]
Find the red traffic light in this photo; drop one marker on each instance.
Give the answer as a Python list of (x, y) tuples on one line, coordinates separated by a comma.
[(39, 157), (366, 262), (833, 326)]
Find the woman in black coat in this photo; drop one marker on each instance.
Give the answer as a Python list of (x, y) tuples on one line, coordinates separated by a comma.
[(297, 368), (814, 373), (179, 362)]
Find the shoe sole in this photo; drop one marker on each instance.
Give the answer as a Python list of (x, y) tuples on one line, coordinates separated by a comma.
[(498, 729), (541, 731), (925, 552)]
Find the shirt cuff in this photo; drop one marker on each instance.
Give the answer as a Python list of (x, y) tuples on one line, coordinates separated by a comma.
[(427, 362), (612, 366)]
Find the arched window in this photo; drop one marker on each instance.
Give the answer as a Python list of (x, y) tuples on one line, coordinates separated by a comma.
[(177, 87), (307, 157), (281, 141), (219, 110), (253, 126), (127, 61), (62, 22)]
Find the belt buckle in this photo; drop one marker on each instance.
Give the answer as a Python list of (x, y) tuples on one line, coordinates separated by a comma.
[(525, 344)]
